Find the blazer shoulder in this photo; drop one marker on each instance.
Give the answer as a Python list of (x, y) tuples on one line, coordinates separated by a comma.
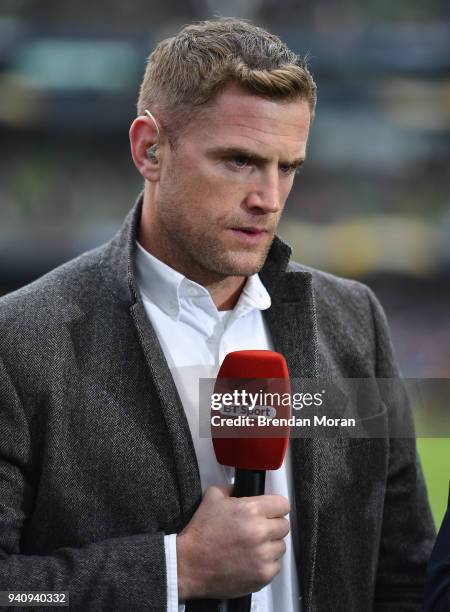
[(39, 308), (66, 282), (345, 294), (350, 315)]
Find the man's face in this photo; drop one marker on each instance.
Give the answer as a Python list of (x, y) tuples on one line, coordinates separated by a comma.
[(223, 187)]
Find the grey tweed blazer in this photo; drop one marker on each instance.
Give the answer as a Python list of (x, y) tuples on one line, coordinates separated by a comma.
[(97, 461)]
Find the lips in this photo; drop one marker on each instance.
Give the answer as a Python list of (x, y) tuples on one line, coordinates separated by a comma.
[(249, 235), (249, 230)]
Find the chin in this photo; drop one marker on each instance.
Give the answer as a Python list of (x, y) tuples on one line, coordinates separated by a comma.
[(244, 268)]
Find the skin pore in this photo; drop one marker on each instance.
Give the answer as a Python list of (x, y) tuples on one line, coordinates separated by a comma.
[(212, 202)]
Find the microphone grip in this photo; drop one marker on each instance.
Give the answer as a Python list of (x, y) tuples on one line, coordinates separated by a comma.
[(247, 483)]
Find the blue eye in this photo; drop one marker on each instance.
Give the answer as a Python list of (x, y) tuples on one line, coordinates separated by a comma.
[(241, 161)]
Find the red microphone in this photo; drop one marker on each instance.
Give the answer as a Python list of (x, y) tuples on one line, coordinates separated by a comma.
[(249, 423)]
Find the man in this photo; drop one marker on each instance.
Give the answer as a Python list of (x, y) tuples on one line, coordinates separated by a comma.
[(107, 491)]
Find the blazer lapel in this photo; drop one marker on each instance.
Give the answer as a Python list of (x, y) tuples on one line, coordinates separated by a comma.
[(292, 324), (180, 438), (118, 273)]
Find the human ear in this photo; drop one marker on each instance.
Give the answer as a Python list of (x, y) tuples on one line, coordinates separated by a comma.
[(145, 146)]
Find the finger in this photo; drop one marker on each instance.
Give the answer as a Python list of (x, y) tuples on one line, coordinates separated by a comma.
[(271, 570), (271, 506), (277, 550), (278, 528)]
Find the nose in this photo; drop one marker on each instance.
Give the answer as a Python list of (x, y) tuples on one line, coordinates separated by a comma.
[(264, 197)]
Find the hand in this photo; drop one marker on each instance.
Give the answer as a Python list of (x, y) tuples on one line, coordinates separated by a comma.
[(231, 546)]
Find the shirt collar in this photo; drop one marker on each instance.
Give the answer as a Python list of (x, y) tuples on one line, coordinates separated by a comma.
[(254, 295), (166, 287)]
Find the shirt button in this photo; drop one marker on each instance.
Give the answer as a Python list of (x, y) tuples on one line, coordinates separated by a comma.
[(254, 606), (192, 291)]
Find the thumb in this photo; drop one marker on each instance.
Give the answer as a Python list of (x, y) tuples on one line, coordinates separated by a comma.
[(217, 492)]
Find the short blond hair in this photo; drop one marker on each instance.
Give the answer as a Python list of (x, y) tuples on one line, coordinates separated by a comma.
[(186, 72)]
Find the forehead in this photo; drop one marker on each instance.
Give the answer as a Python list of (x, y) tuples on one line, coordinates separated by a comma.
[(241, 118)]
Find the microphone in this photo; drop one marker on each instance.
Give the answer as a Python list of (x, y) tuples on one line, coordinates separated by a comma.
[(254, 388)]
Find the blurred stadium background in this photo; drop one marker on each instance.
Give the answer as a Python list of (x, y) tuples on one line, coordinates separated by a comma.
[(372, 202)]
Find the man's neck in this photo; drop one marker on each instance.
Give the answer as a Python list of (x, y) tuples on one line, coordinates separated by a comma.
[(223, 299)]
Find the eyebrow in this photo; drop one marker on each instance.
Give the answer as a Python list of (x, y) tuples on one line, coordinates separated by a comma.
[(220, 152)]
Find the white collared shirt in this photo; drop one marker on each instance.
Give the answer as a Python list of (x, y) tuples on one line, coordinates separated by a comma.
[(195, 338)]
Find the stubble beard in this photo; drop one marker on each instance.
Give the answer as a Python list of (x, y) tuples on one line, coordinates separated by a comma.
[(221, 262), (195, 252), (209, 261), (202, 257)]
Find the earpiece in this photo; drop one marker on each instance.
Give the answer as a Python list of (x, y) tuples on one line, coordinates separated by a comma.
[(151, 151), (151, 154)]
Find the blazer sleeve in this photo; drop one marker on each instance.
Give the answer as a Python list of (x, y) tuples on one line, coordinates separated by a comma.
[(407, 530), (123, 573), (437, 592)]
